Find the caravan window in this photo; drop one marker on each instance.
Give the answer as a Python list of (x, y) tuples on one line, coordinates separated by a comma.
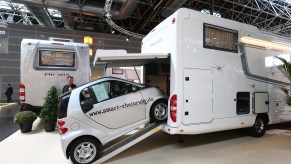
[(220, 38), (53, 58)]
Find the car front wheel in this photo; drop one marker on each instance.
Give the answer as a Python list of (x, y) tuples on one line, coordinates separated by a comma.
[(85, 150), (159, 111)]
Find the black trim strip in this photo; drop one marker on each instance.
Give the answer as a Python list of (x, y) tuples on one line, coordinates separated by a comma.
[(249, 75)]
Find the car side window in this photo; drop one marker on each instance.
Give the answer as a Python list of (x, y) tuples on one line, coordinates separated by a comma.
[(97, 93), (87, 96), (87, 99), (104, 91), (118, 88)]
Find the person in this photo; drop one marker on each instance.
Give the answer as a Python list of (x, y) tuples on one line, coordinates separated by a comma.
[(8, 93), (70, 85)]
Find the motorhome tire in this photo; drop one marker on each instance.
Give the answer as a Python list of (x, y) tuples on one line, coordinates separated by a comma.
[(159, 111), (259, 127), (85, 150)]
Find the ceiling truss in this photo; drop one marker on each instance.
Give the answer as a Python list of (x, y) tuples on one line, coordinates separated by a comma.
[(267, 15)]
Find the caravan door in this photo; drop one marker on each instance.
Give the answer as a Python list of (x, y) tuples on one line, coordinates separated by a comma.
[(198, 95)]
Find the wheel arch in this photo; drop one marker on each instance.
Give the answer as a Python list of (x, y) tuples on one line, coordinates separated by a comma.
[(260, 125), (78, 138), (265, 116), (159, 99)]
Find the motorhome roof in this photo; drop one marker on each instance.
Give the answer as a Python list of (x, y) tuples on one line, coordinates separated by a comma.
[(50, 42)]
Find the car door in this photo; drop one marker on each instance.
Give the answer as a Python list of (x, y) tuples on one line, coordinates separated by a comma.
[(113, 104)]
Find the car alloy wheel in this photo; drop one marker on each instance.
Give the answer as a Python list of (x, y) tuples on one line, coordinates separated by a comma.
[(159, 111), (85, 150)]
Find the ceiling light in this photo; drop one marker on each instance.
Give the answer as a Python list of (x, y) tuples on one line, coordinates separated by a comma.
[(88, 40)]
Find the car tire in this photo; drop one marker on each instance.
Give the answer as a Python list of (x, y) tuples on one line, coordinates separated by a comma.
[(85, 150), (159, 111), (259, 127)]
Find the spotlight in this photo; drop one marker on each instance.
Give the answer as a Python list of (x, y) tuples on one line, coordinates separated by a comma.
[(112, 31), (127, 38)]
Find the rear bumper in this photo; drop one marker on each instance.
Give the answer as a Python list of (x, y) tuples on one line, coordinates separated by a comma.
[(170, 130)]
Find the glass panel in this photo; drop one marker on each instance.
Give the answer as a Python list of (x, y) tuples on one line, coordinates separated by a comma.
[(118, 88), (220, 38), (101, 91), (243, 103), (56, 58), (104, 91)]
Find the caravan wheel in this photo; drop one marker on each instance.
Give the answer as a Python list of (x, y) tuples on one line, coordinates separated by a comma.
[(259, 128), (85, 150)]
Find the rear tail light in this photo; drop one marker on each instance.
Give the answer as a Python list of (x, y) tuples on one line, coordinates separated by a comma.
[(22, 92), (173, 20), (173, 108), (61, 123), (62, 129)]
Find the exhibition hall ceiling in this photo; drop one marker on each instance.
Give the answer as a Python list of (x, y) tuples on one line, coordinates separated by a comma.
[(138, 17)]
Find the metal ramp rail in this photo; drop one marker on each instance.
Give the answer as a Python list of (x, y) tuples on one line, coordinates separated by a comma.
[(128, 142)]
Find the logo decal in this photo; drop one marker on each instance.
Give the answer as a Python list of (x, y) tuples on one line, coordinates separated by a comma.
[(123, 106), (56, 74)]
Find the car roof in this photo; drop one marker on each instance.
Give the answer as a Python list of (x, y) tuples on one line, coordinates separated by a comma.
[(114, 78)]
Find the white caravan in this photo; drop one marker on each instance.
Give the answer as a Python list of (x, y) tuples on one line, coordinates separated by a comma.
[(46, 63), (219, 75)]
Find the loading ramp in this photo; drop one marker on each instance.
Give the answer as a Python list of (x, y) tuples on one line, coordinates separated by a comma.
[(128, 142)]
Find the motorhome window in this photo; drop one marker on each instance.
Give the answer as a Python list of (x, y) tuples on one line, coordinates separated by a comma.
[(243, 103), (220, 38), (117, 71), (51, 58)]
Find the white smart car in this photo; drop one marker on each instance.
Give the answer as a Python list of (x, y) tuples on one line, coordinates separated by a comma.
[(100, 111)]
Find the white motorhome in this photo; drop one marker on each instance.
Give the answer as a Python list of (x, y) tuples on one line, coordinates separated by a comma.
[(46, 63), (221, 74)]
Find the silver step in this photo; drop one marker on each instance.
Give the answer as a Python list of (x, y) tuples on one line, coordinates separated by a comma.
[(128, 142)]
